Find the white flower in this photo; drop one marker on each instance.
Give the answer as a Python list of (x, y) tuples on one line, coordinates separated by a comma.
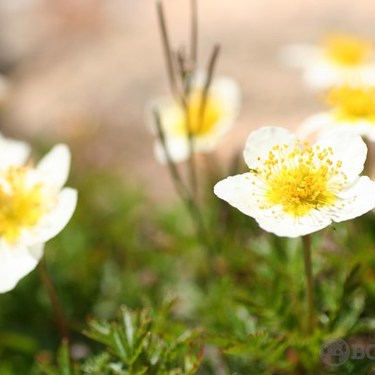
[(34, 207), (220, 112), (339, 59), (293, 189), (352, 109)]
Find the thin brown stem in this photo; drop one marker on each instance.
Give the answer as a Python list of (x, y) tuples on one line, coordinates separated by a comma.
[(185, 72), (181, 63), (309, 283), (58, 312), (210, 73), (167, 49), (180, 68), (369, 168), (194, 33), (181, 189), (190, 140)]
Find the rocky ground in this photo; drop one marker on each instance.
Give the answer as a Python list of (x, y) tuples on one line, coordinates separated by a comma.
[(81, 71)]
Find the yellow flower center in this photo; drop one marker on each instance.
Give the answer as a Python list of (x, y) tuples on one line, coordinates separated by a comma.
[(201, 121), (347, 50), (353, 103), (21, 203), (300, 179)]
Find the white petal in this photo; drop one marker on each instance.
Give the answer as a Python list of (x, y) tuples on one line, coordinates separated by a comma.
[(349, 149), (13, 152), (229, 94), (365, 129), (168, 110), (284, 225), (208, 142), (240, 191), (367, 75), (178, 150), (54, 167), (16, 262), (322, 75), (261, 141), (322, 124), (53, 222), (316, 125), (354, 202)]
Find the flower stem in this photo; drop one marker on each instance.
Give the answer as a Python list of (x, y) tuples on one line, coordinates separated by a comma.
[(369, 168), (167, 49), (58, 312), (309, 283), (210, 73), (194, 32), (187, 197)]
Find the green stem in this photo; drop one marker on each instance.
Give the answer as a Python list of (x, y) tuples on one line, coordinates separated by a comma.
[(309, 283), (58, 313)]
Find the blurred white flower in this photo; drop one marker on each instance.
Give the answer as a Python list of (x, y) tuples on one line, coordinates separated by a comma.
[(338, 60), (352, 109), (293, 189), (220, 112), (34, 207)]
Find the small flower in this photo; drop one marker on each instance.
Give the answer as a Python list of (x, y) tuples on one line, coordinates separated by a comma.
[(206, 126), (339, 59), (293, 189), (34, 207), (352, 108)]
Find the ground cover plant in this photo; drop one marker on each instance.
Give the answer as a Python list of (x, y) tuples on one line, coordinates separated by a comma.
[(262, 267)]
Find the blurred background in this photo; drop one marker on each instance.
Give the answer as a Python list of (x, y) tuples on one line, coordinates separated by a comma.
[(81, 71)]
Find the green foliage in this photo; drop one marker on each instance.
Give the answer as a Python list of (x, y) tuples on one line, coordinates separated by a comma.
[(239, 304), (134, 345)]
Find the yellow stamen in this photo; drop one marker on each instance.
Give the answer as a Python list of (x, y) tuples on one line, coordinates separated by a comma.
[(21, 203), (353, 103), (199, 125), (347, 50), (300, 178)]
